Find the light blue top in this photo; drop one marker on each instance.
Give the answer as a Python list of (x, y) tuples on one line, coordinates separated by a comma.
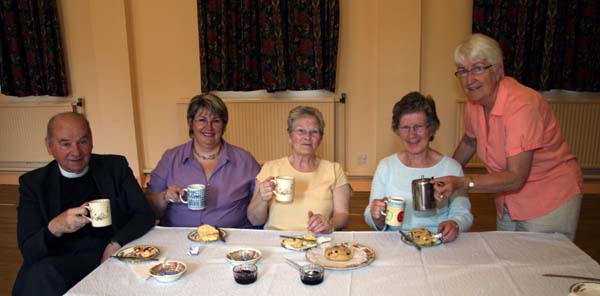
[(393, 178)]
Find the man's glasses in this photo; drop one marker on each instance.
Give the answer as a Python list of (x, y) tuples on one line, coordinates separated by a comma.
[(475, 70), (418, 128)]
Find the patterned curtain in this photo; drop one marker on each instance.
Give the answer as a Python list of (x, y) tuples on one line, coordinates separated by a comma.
[(31, 58), (547, 44), (275, 45)]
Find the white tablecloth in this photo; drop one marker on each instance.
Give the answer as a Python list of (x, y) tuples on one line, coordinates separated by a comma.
[(486, 263)]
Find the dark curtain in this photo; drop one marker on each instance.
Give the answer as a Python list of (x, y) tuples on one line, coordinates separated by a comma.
[(31, 58), (547, 44), (268, 44)]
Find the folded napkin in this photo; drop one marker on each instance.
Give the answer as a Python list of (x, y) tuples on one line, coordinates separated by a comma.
[(142, 269)]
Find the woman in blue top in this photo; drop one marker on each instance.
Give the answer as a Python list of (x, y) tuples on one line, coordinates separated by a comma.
[(415, 121)]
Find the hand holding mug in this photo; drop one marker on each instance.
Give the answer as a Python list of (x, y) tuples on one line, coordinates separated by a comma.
[(266, 188), (172, 194), (68, 221), (378, 207)]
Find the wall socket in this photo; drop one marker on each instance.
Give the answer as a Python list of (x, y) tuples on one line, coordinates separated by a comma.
[(361, 159)]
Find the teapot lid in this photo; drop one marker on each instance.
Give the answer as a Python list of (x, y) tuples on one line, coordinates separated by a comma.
[(423, 179)]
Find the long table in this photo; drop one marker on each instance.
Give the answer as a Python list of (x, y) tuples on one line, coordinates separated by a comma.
[(484, 263)]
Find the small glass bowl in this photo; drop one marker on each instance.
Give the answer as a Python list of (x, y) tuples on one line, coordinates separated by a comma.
[(245, 274), (312, 274)]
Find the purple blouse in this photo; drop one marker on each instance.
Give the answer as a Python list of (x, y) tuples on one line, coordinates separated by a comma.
[(228, 191)]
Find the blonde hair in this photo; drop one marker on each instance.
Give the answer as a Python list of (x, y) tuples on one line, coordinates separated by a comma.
[(206, 102), (305, 111)]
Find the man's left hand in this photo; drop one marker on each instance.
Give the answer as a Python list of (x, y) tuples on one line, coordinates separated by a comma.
[(110, 249)]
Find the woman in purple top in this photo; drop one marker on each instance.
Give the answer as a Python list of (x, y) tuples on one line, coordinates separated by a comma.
[(227, 171)]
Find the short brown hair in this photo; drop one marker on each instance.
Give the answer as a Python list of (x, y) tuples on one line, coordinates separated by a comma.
[(415, 102), (206, 102)]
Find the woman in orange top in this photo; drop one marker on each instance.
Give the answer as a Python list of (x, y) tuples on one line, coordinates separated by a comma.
[(537, 181)]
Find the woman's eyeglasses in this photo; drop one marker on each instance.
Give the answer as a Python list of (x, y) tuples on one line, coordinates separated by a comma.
[(418, 128), (475, 71), (303, 132), (203, 121)]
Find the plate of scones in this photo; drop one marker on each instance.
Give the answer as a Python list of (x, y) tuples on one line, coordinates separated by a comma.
[(340, 255), (299, 243), (137, 253), (422, 237), (206, 233)]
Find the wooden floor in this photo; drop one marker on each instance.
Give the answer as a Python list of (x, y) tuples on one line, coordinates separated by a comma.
[(588, 236)]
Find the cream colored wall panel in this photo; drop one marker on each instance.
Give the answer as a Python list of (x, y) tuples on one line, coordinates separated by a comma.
[(22, 130), (445, 25)]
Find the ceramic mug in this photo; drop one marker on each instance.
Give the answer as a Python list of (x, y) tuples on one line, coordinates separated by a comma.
[(394, 214), (195, 197), (99, 210), (284, 189)]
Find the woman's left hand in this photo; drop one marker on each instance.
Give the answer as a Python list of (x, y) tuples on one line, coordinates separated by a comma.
[(318, 223), (449, 229)]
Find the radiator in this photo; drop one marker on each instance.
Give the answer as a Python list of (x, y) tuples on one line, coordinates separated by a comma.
[(260, 126), (22, 130), (580, 124)]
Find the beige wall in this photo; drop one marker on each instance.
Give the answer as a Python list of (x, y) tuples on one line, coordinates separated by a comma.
[(445, 24), (133, 60), (95, 41)]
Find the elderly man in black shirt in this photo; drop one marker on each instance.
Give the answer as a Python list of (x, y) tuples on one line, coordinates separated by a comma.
[(58, 244)]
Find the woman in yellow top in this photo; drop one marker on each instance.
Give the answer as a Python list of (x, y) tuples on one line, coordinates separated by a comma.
[(321, 198)]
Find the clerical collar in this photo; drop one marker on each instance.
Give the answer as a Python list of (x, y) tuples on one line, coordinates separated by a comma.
[(70, 175)]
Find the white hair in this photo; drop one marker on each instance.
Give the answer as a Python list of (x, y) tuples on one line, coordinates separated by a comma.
[(479, 47)]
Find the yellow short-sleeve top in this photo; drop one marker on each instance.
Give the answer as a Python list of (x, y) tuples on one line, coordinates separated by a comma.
[(313, 192)]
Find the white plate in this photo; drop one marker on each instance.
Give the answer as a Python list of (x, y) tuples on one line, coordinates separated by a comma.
[(193, 236), (585, 289), (138, 253), (363, 256), (286, 244)]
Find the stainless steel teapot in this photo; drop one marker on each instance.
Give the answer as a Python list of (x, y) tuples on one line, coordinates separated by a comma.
[(422, 192)]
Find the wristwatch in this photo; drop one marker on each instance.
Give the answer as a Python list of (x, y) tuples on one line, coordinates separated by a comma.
[(471, 183)]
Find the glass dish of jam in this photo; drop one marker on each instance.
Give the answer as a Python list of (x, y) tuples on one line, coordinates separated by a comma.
[(311, 274), (245, 274)]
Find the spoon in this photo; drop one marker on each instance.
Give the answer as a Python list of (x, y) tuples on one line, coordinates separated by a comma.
[(293, 264), (409, 240)]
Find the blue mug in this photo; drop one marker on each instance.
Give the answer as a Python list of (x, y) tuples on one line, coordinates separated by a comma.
[(195, 197)]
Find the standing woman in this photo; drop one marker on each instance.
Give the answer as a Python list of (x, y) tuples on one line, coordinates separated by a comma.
[(537, 181), (321, 202), (227, 171)]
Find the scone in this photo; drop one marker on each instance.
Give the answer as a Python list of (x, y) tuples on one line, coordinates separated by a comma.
[(422, 236), (208, 233), (338, 253)]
